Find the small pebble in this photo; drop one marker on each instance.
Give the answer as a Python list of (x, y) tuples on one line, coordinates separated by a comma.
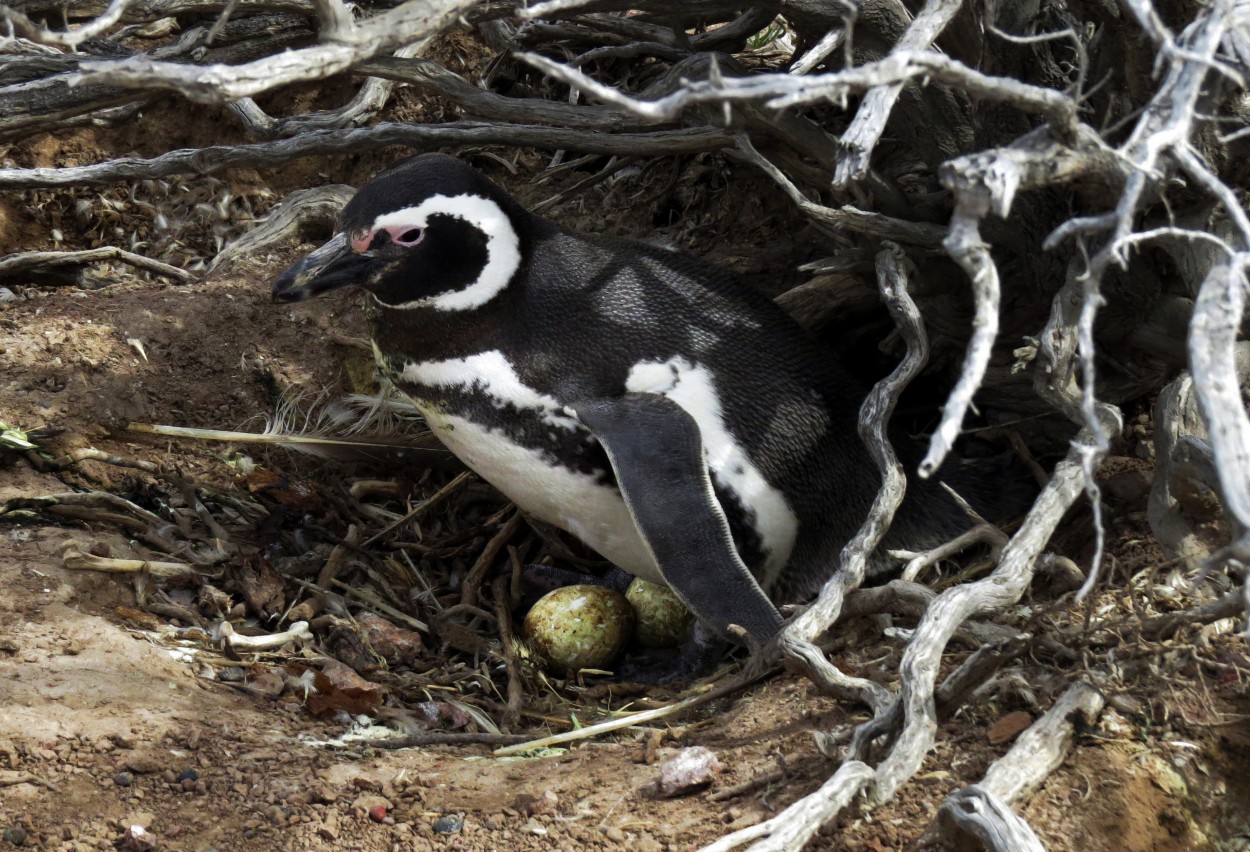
[(275, 815), (124, 779), (614, 834), (188, 775), (15, 835), (692, 769), (449, 824), (232, 674), (377, 813)]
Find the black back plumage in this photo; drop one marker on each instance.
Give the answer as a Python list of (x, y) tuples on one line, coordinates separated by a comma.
[(582, 311)]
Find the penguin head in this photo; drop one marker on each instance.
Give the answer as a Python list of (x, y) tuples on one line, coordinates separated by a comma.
[(431, 232)]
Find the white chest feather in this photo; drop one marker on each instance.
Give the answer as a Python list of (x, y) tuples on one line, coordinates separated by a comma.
[(576, 501), (568, 499)]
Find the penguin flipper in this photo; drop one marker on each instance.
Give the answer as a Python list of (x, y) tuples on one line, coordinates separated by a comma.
[(656, 452)]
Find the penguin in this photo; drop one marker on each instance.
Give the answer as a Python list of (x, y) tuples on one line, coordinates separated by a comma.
[(671, 417)]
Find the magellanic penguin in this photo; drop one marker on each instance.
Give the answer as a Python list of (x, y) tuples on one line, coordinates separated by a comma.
[(669, 416)]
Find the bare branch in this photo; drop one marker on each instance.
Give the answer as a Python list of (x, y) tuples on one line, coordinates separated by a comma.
[(206, 161), (918, 670), (977, 812), (780, 91), (986, 183), (1165, 626), (796, 639), (861, 137), (41, 263), (1039, 750), (70, 38), (1212, 339), (549, 8), (847, 218), (793, 827), (221, 84), (318, 205), (433, 78)]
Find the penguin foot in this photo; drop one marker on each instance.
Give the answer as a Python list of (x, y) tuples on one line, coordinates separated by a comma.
[(695, 659)]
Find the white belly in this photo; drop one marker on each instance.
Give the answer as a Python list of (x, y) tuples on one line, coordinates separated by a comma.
[(570, 500)]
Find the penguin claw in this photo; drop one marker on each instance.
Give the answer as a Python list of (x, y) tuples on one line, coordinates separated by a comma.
[(697, 658)]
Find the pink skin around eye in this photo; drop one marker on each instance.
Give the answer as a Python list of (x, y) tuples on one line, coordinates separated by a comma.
[(401, 235)]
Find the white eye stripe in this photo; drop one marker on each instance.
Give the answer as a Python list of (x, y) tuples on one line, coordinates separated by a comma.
[(503, 246)]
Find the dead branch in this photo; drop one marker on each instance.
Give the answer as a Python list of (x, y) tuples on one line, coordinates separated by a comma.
[(1164, 626), (861, 137), (42, 265), (207, 161), (1183, 470), (987, 183), (1165, 128), (79, 561), (982, 533), (1212, 354), (1039, 750), (348, 43), (70, 38), (796, 640), (431, 77), (793, 827), (984, 810), (784, 91), (1004, 586), (977, 812), (847, 217), (317, 207)]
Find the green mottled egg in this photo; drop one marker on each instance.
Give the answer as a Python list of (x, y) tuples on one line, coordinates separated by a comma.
[(661, 620), (579, 627)]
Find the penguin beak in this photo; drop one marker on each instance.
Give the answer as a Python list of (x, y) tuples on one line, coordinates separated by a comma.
[(330, 267)]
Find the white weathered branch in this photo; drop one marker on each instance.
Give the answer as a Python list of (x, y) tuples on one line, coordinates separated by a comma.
[(977, 812), (297, 632), (796, 641), (781, 91), (1039, 750), (984, 810), (221, 84), (986, 183), (919, 668), (69, 38), (870, 120), (1212, 356), (206, 161), (847, 218), (41, 262), (793, 827)]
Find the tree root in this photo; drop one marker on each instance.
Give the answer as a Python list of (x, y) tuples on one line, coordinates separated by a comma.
[(984, 810)]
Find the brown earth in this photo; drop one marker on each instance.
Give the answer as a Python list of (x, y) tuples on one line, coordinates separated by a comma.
[(103, 722)]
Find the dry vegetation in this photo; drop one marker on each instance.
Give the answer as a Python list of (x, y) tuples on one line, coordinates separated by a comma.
[(1040, 208)]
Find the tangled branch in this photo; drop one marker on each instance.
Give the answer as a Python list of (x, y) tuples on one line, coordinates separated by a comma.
[(902, 135)]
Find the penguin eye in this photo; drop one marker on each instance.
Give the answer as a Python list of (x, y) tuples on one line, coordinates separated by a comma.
[(407, 237)]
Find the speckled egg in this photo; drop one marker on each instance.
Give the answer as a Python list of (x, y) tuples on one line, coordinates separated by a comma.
[(661, 620), (579, 627)]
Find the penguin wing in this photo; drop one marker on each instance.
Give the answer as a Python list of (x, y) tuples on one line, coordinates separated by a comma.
[(656, 452)]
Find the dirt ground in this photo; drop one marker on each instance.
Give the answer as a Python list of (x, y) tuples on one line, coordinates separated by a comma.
[(105, 724)]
